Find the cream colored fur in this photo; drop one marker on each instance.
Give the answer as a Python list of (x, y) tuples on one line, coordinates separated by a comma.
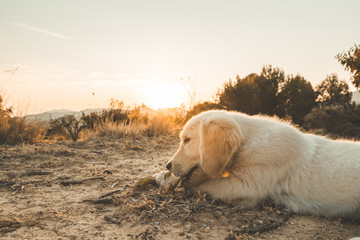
[(267, 158)]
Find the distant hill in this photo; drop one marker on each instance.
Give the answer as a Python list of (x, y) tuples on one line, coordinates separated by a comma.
[(51, 115)]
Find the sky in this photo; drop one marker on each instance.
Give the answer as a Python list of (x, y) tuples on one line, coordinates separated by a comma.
[(66, 54)]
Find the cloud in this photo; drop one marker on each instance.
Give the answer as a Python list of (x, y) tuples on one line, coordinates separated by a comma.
[(31, 28)]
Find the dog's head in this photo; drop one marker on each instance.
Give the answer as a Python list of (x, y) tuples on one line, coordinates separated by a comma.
[(209, 141)]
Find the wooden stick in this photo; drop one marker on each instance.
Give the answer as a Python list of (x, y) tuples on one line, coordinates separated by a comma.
[(35, 173), (70, 182), (99, 201), (110, 193)]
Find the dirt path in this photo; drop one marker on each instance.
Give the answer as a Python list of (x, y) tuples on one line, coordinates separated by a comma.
[(37, 200)]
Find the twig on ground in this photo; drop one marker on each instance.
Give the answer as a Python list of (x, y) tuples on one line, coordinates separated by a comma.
[(36, 173), (71, 182), (110, 193), (99, 201)]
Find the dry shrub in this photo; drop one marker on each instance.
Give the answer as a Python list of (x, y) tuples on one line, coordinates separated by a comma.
[(20, 130), (157, 126), (161, 125)]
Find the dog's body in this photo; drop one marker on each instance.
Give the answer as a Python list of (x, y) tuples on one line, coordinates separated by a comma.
[(265, 158)]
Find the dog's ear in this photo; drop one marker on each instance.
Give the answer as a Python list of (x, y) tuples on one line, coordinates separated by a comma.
[(219, 140)]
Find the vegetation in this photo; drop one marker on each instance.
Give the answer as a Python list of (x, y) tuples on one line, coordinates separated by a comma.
[(325, 109), (16, 129), (351, 61), (197, 109), (332, 92), (335, 121), (269, 93), (297, 98), (72, 126)]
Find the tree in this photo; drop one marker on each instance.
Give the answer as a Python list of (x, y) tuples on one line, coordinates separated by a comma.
[(297, 98), (351, 61), (253, 94), (242, 95), (332, 92), (269, 82), (72, 125)]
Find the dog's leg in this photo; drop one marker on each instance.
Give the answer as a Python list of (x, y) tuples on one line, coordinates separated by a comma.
[(196, 178), (232, 189)]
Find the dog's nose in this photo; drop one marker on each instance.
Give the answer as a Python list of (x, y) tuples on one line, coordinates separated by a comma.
[(168, 166)]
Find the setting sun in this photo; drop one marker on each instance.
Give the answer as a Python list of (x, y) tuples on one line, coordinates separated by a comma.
[(164, 95)]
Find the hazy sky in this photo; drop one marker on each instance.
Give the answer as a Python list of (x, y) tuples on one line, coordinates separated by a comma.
[(79, 54)]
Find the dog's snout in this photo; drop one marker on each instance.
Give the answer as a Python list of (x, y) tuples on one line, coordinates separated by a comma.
[(168, 166)]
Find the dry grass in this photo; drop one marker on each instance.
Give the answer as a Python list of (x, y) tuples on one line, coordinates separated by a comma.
[(20, 130), (157, 126), (116, 122)]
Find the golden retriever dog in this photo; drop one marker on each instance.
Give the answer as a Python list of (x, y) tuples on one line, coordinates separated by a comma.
[(236, 157)]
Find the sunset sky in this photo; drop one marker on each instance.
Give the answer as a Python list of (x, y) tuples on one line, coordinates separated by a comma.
[(63, 54)]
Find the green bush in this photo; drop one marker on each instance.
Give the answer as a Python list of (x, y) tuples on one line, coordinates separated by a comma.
[(336, 121)]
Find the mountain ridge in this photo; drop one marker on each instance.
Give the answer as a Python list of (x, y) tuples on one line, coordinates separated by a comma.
[(58, 113)]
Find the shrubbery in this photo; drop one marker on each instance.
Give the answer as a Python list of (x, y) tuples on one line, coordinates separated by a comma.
[(117, 120), (336, 121), (327, 109), (18, 129)]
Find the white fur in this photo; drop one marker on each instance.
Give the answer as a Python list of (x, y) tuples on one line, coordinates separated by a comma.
[(268, 158)]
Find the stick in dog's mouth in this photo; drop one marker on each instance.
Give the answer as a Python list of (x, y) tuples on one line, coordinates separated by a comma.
[(188, 175)]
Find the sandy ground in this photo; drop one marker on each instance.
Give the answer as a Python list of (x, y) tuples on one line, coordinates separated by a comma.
[(38, 201)]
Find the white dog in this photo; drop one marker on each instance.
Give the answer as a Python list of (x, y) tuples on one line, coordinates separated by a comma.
[(236, 157)]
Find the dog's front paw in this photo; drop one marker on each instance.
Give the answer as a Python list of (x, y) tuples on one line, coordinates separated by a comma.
[(165, 178), (196, 178)]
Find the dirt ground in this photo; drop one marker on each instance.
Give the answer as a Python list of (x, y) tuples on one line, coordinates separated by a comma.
[(84, 190)]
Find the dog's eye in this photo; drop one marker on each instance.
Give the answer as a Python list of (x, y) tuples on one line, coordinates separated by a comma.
[(186, 140)]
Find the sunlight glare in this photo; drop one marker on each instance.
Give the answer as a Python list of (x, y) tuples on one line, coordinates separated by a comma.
[(164, 95)]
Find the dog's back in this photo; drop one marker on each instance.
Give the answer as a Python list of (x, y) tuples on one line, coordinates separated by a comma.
[(328, 182)]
